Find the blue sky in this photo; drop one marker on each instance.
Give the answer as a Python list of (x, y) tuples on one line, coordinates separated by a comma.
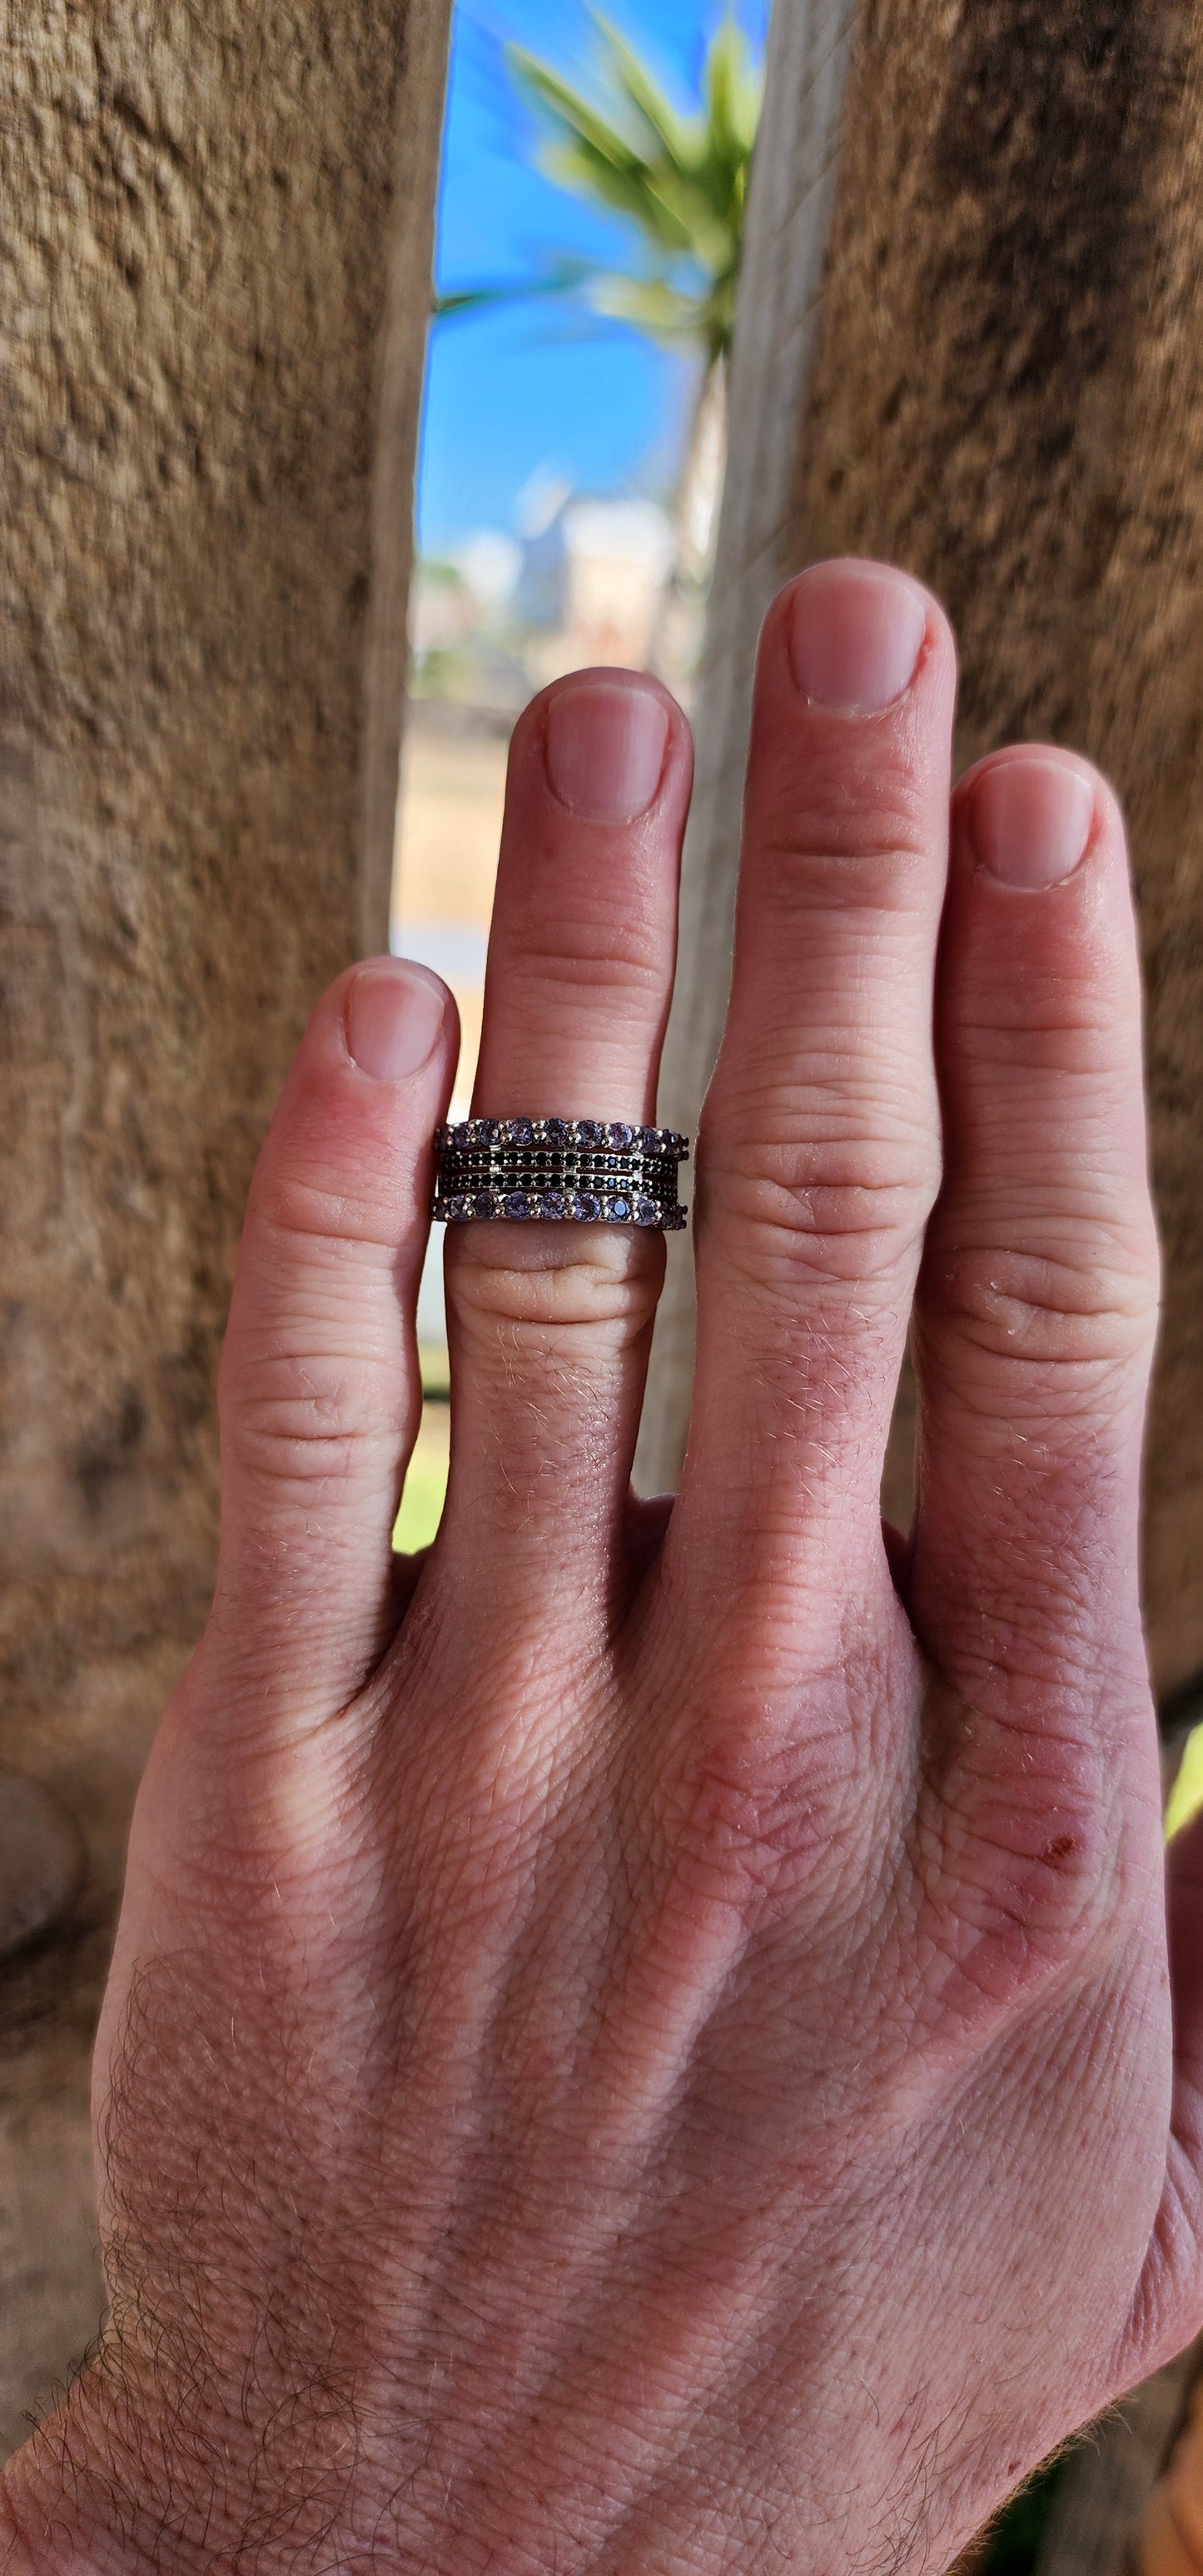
[(538, 388)]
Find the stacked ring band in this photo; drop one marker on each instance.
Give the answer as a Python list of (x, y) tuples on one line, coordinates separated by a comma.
[(583, 1171)]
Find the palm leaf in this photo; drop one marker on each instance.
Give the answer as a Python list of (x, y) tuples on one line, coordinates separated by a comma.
[(654, 306), (678, 179), (732, 93), (680, 139), (594, 157), (562, 277)]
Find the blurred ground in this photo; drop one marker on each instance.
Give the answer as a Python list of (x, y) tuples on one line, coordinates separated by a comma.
[(449, 827)]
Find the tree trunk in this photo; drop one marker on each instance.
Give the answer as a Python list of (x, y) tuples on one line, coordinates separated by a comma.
[(217, 241), (1008, 398), (680, 616)]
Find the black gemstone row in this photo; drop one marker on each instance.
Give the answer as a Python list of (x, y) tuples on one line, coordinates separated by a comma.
[(584, 1170)]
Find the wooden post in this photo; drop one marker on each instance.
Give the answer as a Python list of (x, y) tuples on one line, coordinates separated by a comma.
[(216, 253)]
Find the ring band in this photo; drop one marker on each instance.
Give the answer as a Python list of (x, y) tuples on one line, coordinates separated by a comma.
[(583, 1171)]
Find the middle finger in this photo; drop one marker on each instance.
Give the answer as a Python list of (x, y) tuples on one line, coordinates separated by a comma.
[(819, 1145)]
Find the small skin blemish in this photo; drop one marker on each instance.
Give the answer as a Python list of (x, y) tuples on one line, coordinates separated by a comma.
[(1061, 1848)]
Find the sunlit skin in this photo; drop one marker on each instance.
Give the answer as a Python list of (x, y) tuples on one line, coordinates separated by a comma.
[(642, 2041)]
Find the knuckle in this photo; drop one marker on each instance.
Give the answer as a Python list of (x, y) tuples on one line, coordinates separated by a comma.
[(322, 1215), (852, 1205), (807, 839), (591, 1298), (1017, 1918), (741, 1843), (311, 1417), (619, 962), (1029, 1860), (738, 1830), (756, 1809), (1082, 1314)]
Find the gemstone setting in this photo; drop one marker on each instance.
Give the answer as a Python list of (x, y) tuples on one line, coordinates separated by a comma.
[(588, 1170)]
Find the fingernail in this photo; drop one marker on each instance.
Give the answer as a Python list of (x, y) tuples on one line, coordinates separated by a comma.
[(856, 635), (606, 741), (393, 1016), (1029, 820)]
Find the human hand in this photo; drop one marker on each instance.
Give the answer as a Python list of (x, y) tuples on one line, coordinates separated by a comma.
[(642, 2041)]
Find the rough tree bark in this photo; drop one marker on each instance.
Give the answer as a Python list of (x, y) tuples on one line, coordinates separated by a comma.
[(216, 253), (1007, 396)]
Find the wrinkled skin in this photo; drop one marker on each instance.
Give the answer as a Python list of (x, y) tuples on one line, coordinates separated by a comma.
[(642, 2040)]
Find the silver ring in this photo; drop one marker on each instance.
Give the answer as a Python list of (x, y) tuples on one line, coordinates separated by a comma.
[(580, 1171)]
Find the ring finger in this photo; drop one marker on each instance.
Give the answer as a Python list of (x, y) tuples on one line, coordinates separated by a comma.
[(549, 1324)]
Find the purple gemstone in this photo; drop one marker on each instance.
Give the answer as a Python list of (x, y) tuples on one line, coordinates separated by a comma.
[(585, 1208), (622, 1138), (516, 1203), (619, 1210), (459, 1209), (556, 1131), (484, 1204), (553, 1203), (646, 1212), (461, 1136), (519, 1131), (589, 1133), (649, 1140), (486, 1130)]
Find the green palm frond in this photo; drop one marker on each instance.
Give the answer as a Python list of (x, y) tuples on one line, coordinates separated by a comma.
[(678, 180), (732, 90), (601, 161), (650, 303), (560, 277)]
